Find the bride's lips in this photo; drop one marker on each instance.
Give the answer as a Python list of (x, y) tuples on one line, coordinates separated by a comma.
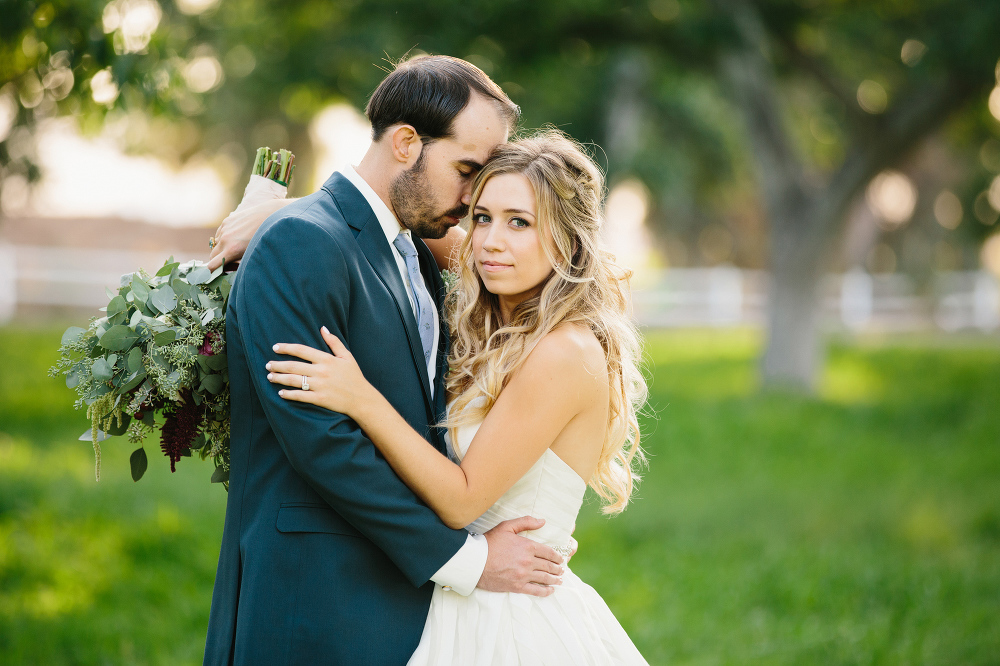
[(493, 266)]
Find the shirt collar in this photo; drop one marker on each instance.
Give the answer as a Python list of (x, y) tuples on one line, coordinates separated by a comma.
[(390, 225)]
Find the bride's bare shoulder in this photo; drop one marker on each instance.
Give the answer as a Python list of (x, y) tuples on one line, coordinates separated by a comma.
[(572, 350)]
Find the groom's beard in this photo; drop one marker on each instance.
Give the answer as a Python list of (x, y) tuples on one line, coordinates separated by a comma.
[(412, 200)]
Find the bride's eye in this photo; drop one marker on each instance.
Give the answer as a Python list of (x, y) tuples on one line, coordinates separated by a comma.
[(481, 218), (519, 223)]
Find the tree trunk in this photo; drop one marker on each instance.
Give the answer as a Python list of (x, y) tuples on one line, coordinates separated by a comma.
[(794, 351), (805, 219)]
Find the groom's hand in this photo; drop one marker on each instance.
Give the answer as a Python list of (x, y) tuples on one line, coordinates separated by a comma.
[(518, 564)]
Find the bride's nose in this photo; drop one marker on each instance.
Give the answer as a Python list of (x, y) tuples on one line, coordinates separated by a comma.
[(493, 242)]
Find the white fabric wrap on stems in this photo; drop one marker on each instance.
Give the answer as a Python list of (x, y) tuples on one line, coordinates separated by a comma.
[(259, 190)]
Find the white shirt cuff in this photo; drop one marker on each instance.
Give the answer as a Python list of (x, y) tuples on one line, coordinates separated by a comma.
[(462, 572)]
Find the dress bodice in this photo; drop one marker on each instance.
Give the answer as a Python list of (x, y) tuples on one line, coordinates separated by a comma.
[(551, 490)]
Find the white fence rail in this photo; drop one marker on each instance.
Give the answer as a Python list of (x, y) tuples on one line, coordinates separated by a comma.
[(35, 275)]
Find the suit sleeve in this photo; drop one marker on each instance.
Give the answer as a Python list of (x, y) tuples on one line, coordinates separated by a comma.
[(297, 280)]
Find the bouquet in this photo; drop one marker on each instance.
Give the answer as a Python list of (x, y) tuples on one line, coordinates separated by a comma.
[(157, 358)]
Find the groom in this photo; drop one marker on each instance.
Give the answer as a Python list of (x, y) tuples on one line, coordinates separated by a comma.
[(326, 555)]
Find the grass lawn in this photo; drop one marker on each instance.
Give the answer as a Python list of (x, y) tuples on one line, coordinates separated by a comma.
[(858, 527)]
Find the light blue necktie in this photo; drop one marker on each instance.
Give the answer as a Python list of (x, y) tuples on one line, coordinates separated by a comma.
[(425, 307)]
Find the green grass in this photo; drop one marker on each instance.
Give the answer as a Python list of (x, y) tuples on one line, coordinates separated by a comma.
[(858, 527)]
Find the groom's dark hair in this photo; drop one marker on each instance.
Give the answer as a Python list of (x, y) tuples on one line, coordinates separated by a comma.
[(428, 92)]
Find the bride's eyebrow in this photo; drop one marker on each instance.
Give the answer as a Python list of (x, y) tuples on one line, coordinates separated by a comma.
[(508, 210)]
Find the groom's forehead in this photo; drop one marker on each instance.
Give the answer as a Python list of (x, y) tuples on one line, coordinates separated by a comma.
[(478, 128)]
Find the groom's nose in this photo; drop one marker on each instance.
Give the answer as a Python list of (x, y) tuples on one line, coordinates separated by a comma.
[(467, 198)]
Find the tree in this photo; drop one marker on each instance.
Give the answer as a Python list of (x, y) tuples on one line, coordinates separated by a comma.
[(789, 107)]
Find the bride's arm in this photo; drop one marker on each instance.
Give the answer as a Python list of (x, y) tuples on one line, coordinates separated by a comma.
[(548, 391), (235, 232)]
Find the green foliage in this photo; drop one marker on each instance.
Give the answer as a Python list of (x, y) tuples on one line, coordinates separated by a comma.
[(159, 345), (857, 527)]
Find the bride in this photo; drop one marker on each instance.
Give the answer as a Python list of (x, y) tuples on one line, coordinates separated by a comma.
[(544, 387)]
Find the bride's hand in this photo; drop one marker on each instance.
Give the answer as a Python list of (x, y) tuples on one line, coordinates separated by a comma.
[(333, 381), (234, 234)]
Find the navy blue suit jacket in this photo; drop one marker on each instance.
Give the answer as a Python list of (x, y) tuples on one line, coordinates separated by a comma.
[(326, 554)]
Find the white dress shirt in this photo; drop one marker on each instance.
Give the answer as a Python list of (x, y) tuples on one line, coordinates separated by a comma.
[(462, 572)]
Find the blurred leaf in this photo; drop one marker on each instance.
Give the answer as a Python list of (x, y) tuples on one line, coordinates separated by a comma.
[(138, 463), (199, 275), (72, 334)]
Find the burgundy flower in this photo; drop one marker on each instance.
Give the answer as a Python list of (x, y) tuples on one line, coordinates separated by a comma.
[(180, 427), (206, 348)]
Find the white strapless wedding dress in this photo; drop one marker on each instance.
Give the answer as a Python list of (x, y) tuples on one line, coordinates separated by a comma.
[(571, 627)]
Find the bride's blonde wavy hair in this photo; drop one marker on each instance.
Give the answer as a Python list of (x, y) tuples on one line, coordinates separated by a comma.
[(586, 287)]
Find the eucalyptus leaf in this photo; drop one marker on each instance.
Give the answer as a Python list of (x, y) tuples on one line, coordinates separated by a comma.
[(116, 429), (216, 362), (164, 337), (174, 377), (140, 289), (118, 338), (200, 275), (112, 360), (111, 294), (72, 334), (72, 379), (167, 268), (138, 462), (101, 370), (220, 475), (88, 436), (163, 298), (212, 384), (136, 318), (133, 380), (117, 304), (207, 317), (134, 360)]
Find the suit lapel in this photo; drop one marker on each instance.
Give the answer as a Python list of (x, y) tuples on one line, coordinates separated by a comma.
[(435, 285), (373, 244)]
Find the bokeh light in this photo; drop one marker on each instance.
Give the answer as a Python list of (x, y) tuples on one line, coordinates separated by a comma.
[(893, 197)]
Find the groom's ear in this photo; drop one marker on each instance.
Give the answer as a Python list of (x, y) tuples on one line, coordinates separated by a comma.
[(406, 144)]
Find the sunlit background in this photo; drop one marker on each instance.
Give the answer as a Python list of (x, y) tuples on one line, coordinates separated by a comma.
[(807, 191)]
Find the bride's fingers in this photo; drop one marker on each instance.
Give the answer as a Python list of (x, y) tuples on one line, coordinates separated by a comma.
[(285, 380), (336, 346), (291, 368), (304, 352), (299, 396)]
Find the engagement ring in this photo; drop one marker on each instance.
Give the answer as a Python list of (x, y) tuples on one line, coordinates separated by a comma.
[(211, 243), (305, 383)]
